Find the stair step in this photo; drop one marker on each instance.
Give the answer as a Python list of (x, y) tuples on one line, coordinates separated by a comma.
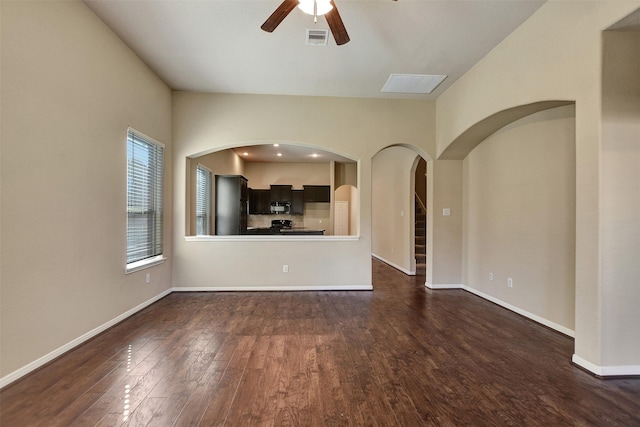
[(420, 240), (421, 249), (421, 268)]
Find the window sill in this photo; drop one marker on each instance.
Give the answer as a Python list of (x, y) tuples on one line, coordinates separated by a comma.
[(145, 263)]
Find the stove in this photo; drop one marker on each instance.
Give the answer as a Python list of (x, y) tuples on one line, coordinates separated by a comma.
[(277, 224)]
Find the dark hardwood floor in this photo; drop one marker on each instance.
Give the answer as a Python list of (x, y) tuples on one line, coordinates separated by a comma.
[(401, 355)]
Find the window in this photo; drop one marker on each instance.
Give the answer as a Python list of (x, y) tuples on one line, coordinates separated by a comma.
[(145, 172), (203, 201)]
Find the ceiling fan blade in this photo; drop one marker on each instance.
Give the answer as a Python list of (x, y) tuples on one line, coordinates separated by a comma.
[(280, 13), (336, 25)]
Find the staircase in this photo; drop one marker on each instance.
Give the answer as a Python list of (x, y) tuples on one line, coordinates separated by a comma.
[(421, 238)]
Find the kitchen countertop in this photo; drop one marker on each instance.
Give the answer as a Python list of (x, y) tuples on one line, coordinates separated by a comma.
[(287, 231), (300, 231)]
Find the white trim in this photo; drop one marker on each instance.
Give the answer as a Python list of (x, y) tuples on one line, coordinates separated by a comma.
[(17, 374), (446, 286), (271, 238), (606, 371), (548, 323), (534, 317), (394, 265), (143, 136), (200, 165), (274, 288), (144, 263)]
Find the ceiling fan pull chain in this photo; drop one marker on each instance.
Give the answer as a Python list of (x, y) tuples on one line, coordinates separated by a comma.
[(315, 11)]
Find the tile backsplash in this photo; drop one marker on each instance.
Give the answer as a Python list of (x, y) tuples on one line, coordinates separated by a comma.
[(264, 221)]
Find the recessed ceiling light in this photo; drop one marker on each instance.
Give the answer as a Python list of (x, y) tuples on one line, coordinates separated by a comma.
[(314, 155), (276, 145), (279, 154), (245, 154), (412, 83)]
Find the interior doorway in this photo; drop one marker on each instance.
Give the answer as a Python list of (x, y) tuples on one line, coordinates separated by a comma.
[(399, 223), (420, 216)]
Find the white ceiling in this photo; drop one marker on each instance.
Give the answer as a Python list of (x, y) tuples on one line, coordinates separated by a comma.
[(218, 46)]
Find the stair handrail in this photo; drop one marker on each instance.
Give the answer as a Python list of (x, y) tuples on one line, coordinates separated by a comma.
[(424, 208)]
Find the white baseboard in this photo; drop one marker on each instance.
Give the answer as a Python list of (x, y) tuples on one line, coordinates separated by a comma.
[(562, 329), (394, 265), (274, 288), (441, 286), (548, 323), (17, 374), (606, 371)]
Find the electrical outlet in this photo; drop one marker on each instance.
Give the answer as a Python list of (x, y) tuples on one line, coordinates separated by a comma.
[(285, 268), (148, 278), (510, 282), (490, 276)]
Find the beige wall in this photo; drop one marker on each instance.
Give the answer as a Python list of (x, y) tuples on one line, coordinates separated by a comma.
[(444, 232), (262, 174), (70, 88), (621, 198), (359, 128), (556, 55), (519, 215), (346, 174)]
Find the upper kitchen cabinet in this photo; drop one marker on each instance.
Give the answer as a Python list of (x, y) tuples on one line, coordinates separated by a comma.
[(259, 202), (281, 193), (317, 193), (231, 205), (297, 203)]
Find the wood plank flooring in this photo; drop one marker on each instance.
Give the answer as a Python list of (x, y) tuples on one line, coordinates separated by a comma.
[(401, 355)]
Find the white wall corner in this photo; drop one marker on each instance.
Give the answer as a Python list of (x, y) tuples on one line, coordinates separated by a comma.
[(394, 265), (606, 371), (19, 373)]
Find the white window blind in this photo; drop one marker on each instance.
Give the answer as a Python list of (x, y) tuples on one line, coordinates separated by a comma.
[(203, 201), (145, 171)]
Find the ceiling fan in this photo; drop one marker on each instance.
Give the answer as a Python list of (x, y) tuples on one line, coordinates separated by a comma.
[(311, 7)]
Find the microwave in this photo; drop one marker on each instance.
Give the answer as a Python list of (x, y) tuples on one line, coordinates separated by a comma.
[(280, 208)]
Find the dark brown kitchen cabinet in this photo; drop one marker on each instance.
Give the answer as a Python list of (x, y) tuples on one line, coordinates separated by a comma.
[(231, 205), (259, 202), (297, 202), (281, 193), (317, 193)]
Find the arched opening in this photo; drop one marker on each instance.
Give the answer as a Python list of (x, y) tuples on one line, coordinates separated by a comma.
[(519, 216), (275, 189), (399, 223)]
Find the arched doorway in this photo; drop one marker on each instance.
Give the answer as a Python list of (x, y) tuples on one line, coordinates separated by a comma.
[(397, 171)]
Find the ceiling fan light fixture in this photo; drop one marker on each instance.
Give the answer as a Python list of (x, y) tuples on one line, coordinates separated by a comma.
[(315, 7)]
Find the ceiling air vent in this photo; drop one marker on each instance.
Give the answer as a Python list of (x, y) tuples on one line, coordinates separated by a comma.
[(317, 37), (412, 83)]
